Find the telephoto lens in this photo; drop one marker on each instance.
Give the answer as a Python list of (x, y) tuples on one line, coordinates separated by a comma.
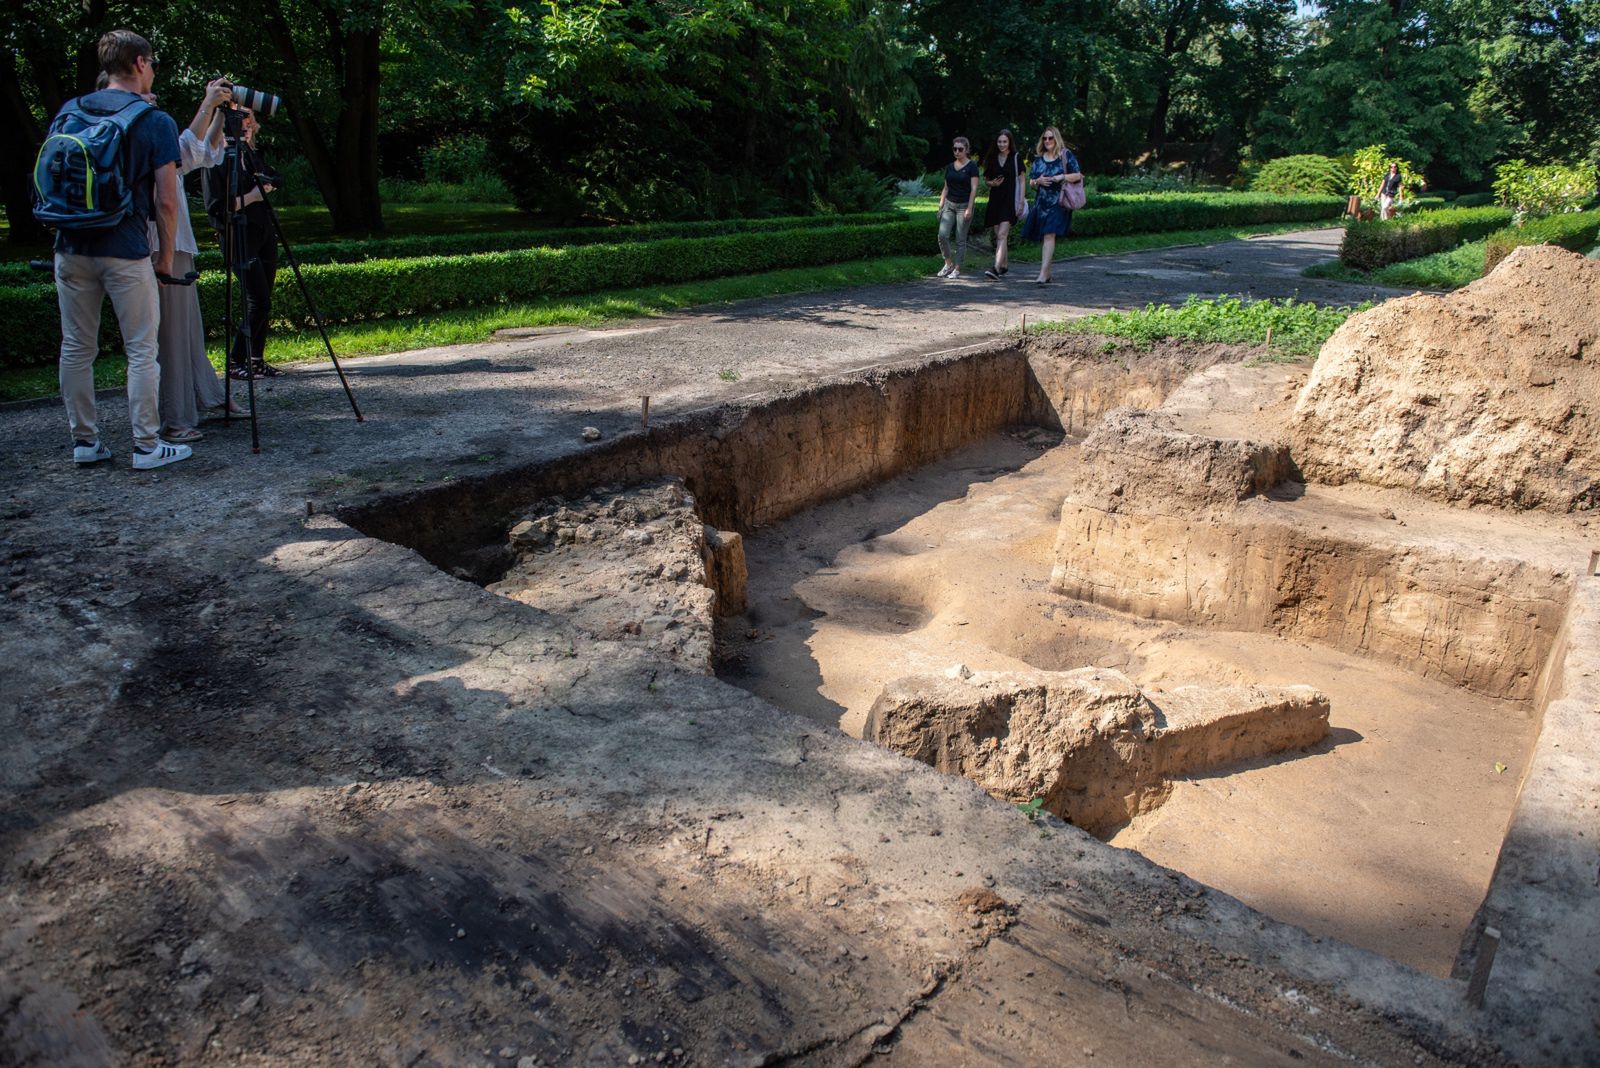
[(262, 103)]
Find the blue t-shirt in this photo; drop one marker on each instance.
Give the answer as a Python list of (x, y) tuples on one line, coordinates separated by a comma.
[(151, 144)]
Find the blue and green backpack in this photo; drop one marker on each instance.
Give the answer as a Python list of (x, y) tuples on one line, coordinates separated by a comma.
[(80, 179)]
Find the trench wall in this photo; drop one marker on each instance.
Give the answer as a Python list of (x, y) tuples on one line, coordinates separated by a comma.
[(1544, 897), (1486, 625), (747, 463), (754, 462)]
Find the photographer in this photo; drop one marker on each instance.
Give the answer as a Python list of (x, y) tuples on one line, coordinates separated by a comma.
[(256, 257)]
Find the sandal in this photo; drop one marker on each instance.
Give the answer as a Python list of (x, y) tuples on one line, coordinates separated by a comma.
[(182, 436)]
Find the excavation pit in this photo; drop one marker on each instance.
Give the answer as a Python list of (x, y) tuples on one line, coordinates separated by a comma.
[(906, 522)]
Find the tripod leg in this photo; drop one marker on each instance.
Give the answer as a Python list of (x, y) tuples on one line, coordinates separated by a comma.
[(311, 306)]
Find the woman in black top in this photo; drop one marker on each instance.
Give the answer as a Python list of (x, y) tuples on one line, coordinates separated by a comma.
[(1390, 191), (256, 257), (955, 207), (1003, 174)]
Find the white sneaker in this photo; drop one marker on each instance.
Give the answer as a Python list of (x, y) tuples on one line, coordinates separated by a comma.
[(944, 272), (163, 454), (89, 452), (955, 272)]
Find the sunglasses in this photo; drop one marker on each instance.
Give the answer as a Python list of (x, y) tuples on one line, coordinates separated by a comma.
[(958, 148)]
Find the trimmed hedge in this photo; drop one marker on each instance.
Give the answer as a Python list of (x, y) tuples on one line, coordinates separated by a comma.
[(349, 292), (1113, 214), (1378, 243), (1474, 200), (1576, 231), (356, 250)]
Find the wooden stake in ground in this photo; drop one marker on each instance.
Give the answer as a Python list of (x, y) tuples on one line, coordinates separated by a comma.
[(1488, 946), (644, 413), (1269, 338)]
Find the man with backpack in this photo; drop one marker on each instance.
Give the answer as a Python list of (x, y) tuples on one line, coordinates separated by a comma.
[(108, 168)]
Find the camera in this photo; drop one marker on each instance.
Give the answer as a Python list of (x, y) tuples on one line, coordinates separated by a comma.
[(257, 100)]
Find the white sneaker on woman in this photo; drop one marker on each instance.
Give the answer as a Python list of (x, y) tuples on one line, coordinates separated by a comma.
[(944, 272)]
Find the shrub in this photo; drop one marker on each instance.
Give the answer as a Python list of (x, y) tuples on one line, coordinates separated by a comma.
[(483, 188), (855, 190), (299, 183), (1570, 231), (1424, 203), (1368, 246), (912, 187), (1531, 191), (1370, 166), (1306, 175), (1474, 200), (1155, 180), (457, 160)]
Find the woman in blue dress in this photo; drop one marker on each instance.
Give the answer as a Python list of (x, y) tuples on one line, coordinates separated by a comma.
[(1053, 167)]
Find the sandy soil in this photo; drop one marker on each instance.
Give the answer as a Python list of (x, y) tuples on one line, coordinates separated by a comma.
[(1385, 835)]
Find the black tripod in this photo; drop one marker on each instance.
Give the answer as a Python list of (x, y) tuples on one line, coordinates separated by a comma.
[(233, 241)]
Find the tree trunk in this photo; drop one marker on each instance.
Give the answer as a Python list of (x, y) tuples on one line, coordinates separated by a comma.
[(19, 147), (347, 171), (356, 144), (1158, 117)]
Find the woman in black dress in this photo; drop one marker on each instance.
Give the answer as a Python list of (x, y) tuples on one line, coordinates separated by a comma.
[(1007, 204)]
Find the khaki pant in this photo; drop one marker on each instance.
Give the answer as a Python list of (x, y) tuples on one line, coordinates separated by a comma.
[(954, 217), (82, 284)]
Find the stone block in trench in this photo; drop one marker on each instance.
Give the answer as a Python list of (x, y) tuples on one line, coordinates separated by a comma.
[(1138, 459), (1090, 743)]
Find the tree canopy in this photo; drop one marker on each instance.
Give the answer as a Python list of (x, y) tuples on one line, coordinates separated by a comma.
[(635, 109)]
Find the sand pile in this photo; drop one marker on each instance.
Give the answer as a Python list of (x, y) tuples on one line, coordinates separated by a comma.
[(1490, 395)]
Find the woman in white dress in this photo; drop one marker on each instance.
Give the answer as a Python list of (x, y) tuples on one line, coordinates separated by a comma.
[(189, 384)]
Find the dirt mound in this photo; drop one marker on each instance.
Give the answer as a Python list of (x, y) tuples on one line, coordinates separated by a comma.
[(1490, 395)]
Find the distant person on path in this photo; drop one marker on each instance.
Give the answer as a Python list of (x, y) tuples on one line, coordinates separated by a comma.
[(1007, 202), (955, 207), (121, 262), (1053, 167), (1389, 192), (189, 383)]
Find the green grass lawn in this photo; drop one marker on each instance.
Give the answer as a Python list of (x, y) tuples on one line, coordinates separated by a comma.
[(1297, 328), (477, 324), (1450, 269)]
